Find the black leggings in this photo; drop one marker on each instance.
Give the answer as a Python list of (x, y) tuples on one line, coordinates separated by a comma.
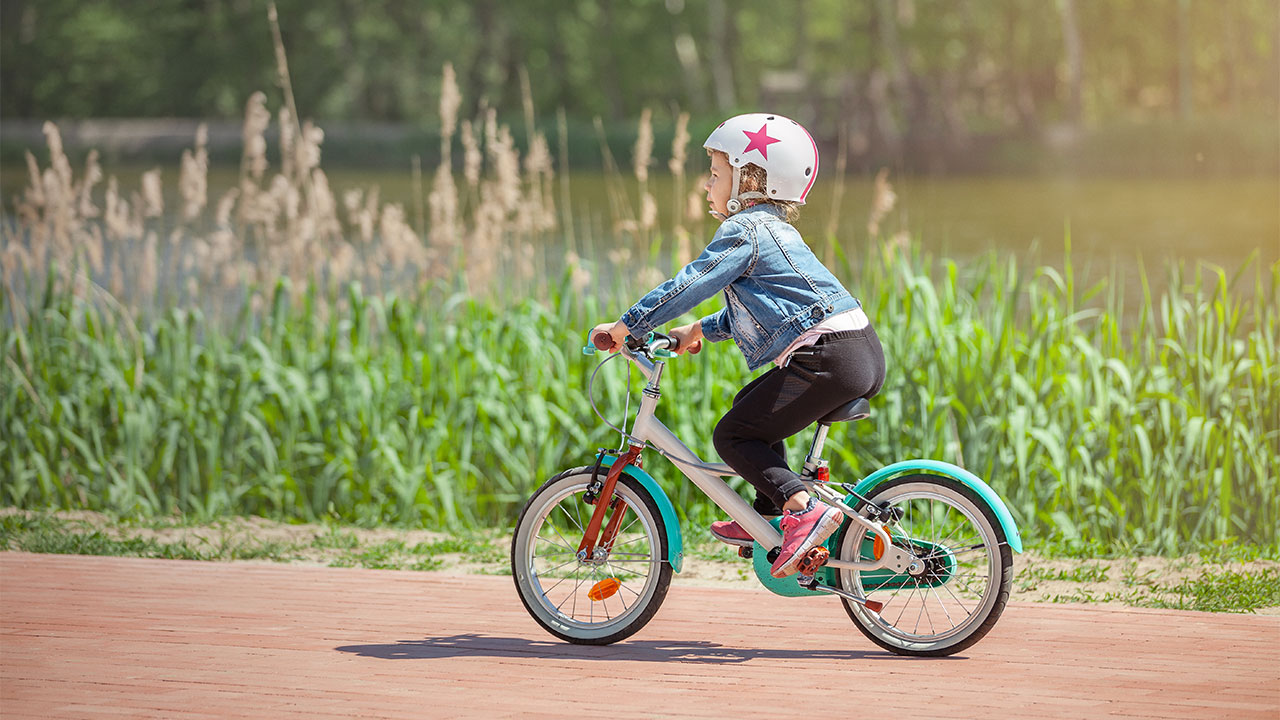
[(843, 366)]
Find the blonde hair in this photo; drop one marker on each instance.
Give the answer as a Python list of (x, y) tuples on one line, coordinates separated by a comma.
[(754, 178)]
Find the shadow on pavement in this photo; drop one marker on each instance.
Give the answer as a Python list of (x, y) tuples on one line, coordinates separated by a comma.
[(636, 650)]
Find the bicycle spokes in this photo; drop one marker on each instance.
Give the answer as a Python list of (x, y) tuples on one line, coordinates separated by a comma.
[(944, 595)]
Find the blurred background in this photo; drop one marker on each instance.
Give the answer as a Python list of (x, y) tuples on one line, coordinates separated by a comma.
[(301, 268), (1148, 126)]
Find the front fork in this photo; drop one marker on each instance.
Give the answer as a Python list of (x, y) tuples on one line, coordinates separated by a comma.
[(593, 540)]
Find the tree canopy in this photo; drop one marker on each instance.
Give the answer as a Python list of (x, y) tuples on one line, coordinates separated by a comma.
[(899, 70)]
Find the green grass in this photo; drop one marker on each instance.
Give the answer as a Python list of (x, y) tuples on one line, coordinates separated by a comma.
[(473, 548), (1225, 591), (1079, 574), (1209, 591), (40, 532), (382, 556), (476, 545), (1107, 428), (45, 534), (333, 538)]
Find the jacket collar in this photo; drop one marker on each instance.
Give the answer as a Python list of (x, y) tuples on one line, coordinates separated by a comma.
[(763, 207)]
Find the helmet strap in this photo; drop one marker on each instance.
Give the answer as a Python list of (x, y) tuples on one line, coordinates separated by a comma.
[(734, 204)]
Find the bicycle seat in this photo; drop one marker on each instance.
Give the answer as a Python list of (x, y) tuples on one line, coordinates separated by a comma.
[(858, 409)]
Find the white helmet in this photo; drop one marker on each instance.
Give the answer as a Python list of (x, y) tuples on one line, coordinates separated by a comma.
[(780, 145)]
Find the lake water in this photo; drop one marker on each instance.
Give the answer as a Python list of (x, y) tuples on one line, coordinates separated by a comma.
[(1111, 220)]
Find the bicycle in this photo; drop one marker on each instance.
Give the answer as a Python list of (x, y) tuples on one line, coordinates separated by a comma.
[(923, 562)]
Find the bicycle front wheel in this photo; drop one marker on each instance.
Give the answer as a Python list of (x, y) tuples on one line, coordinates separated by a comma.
[(603, 598), (963, 585)]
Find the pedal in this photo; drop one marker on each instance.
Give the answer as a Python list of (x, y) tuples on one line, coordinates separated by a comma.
[(745, 552), (812, 560)]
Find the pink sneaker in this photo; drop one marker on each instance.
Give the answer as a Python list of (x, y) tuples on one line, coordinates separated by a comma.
[(802, 531), (731, 533)]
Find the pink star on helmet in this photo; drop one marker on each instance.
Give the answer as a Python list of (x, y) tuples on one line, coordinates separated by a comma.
[(760, 140)]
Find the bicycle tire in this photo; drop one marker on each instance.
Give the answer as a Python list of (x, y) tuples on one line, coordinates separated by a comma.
[(994, 600), (529, 582)]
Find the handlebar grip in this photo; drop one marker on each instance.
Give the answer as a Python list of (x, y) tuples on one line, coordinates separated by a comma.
[(602, 341)]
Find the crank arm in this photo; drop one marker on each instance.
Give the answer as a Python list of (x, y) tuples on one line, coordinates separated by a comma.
[(816, 586)]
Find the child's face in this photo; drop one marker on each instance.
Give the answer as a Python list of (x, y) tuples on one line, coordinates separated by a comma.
[(720, 183)]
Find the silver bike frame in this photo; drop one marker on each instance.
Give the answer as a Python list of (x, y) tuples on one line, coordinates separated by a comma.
[(647, 428)]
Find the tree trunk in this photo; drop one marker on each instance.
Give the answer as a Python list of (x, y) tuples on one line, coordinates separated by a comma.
[(609, 63), (722, 33), (903, 96), (1184, 59), (1074, 58), (695, 84), (483, 12)]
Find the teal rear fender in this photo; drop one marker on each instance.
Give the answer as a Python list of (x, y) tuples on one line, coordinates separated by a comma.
[(675, 539), (968, 479)]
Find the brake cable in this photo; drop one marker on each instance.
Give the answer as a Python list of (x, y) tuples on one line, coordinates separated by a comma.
[(591, 397)]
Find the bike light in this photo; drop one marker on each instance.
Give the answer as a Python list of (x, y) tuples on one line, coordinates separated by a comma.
[(604, 589)]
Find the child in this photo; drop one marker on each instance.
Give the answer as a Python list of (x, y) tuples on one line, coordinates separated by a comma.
[(779, 299)]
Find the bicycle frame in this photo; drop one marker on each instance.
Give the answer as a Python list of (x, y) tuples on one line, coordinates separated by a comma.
[(647, 428)]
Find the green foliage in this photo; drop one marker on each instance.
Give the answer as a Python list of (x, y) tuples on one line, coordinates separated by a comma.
[(40, 533), (1104, 427), (1226, 591), (983, 64)]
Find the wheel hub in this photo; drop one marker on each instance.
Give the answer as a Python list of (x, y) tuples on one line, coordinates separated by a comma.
[(599, 556)]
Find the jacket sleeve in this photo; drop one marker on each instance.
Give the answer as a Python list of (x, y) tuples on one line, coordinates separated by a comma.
[(724, 260), (715, 327)]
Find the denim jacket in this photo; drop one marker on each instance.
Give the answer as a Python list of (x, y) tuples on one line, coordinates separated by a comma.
[(774, 287)]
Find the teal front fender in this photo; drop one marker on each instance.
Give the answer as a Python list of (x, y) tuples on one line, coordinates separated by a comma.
[(973, 482), (675, 540)]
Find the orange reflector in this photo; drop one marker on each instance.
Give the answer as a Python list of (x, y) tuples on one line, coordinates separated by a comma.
[(877, 547), (604, 589)]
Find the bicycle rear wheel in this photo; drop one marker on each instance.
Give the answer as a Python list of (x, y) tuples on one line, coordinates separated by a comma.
[(964, 585), (597, 600)]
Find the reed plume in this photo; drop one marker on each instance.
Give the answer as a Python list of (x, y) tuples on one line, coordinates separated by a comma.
[(883, 198), (676, 166), (642, 155), (193, 180)]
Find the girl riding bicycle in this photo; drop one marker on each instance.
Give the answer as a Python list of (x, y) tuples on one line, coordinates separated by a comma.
[(782, 306)]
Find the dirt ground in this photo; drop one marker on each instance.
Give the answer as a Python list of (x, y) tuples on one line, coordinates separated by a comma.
[(1098, 581)]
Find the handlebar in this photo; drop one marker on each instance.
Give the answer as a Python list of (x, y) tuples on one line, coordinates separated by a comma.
[(654, 343), (603, 341)]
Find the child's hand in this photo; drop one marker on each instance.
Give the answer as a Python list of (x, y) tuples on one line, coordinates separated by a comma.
[(617, 332), (689, 337)]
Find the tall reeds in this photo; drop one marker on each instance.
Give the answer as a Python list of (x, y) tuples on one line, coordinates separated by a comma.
[(416, 411)]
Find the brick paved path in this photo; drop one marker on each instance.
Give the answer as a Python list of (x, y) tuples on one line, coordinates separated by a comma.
[(124, 637)]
